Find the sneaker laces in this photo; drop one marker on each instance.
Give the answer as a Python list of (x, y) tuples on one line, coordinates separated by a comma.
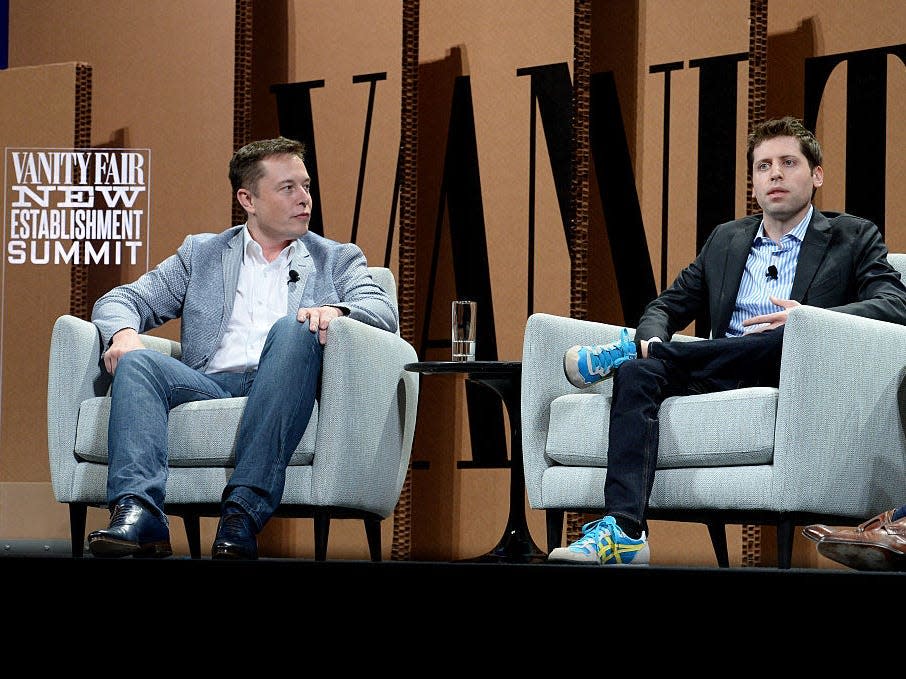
[(591, 530), (603, 358)]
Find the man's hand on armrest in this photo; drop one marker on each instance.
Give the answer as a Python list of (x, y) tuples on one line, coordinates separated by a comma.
[(123, 342)]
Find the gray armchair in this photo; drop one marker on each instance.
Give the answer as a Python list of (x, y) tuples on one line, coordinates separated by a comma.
[(828, 445), (351, 463)]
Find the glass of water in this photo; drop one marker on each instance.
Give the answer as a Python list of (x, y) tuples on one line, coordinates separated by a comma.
[(465, 314)]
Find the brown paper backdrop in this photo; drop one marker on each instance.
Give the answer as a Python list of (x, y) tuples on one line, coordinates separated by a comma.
[(163, 78)]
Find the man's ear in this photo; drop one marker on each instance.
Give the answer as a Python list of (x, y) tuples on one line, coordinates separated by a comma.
[(818, 176), (244, 197)]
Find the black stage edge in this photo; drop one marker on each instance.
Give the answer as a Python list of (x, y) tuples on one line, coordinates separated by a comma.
[(499, 596)]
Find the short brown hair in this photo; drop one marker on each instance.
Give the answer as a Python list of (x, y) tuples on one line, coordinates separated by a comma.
[(245, 167), (787, 126)]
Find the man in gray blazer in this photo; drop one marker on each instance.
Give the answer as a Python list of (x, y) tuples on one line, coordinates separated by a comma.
[(749, 275), (255, 303)]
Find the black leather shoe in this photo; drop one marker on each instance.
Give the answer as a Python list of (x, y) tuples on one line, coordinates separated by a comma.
[(134, 530), (235, 537)]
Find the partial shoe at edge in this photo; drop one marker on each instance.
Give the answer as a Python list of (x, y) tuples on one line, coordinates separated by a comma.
[(818, 531), (134, 530), (879, 549)]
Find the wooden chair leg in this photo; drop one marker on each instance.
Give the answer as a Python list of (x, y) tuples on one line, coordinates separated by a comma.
[(192, 523), (718, 533), (78, 511), (373, 535), (785, 530), (322, 532), (554, 519)]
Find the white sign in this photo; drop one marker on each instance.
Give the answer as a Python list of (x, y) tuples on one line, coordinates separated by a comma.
[(85, 206)]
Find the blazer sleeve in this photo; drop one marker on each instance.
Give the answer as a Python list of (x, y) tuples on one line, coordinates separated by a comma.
[(878, 291), (153, 299), (680, 304), (365, 300)]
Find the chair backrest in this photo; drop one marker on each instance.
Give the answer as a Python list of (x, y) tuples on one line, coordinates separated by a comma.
[(898, 261), (384, 277)]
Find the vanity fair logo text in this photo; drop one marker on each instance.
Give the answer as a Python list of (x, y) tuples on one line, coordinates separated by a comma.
[(86, 206)]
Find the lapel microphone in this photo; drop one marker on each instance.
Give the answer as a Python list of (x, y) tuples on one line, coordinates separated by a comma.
[(294, 276), (772, 272)]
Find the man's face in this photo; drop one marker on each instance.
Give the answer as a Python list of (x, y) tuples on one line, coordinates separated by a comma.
[(782, 181), (280, 207)]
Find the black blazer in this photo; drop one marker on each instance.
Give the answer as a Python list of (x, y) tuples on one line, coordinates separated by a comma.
[(842, 266)]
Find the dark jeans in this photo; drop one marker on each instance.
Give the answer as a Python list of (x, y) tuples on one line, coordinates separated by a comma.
[(673, 369)]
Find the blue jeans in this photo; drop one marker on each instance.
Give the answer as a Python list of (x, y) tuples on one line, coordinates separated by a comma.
[(281, 395), (673, 369)]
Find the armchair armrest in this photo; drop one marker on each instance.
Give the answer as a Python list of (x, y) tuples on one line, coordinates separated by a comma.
[(547, 337), (840, 411), (366, 419), (75, 373)]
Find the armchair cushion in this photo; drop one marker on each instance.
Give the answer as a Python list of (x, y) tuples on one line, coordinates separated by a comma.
[(693, 429), (200, 434)]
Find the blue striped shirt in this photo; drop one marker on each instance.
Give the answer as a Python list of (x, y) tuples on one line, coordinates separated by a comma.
[(757, 284)]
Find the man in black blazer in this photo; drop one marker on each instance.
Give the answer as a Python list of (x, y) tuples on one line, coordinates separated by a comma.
[(750, 274)]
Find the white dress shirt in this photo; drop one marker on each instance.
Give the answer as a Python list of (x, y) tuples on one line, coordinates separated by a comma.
[(261, 298)]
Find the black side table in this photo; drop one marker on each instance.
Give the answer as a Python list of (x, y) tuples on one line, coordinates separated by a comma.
[(505, 379)]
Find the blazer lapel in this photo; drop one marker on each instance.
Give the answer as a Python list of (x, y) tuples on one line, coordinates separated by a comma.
[(302, 263), (811, 254), (231, 260), (738, 250)]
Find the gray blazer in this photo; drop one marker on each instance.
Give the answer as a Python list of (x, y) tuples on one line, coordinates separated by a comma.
[(842, 266), (198, 284)]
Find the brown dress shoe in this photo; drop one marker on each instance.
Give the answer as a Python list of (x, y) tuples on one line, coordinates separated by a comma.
[(881, 548), (818, 531)]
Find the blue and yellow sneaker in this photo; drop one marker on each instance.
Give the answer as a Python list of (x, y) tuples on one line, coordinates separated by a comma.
[(604, 542), (584, 366)]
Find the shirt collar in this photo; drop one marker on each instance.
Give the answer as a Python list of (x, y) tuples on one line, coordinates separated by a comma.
[(798, 233), (286, 255)]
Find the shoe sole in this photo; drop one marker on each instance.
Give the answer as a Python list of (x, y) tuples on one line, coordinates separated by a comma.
[(107, 548), (862, 556), (567, 558), (232, 555), (595, 563), (579, 382)]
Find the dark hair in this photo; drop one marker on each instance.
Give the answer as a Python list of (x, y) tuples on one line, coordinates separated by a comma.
[(787, 126), (245, 167)]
